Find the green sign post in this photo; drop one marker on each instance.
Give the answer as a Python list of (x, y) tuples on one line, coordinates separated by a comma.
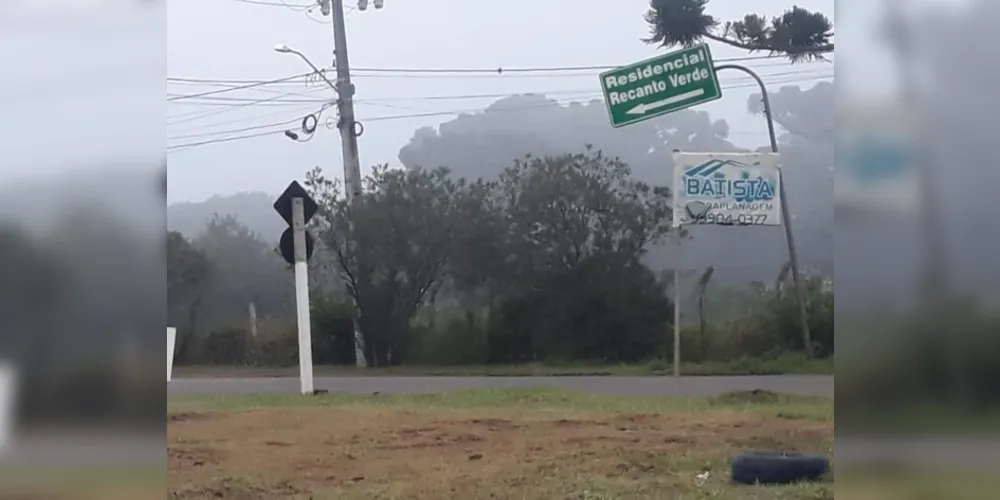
[(660, 85)]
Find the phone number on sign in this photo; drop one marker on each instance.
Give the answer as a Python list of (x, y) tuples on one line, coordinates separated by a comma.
[(730, 219)]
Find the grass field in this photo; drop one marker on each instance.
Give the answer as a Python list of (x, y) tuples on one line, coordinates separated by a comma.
[(104, 483), (524, 444), (785, 365)]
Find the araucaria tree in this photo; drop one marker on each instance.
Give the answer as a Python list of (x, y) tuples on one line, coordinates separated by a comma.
[(798, 34)]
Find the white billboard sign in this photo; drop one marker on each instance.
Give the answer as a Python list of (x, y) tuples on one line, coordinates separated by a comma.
[(731, 189)]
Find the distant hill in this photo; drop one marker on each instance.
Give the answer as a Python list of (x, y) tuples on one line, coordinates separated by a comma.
[(253, 210)]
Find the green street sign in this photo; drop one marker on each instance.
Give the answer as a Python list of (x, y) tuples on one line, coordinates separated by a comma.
[(660, 85)]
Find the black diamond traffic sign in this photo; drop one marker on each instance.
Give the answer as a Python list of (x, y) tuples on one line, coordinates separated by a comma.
[(283, 205)]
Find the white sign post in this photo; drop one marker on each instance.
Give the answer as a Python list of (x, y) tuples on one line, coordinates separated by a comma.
[(296, 207), (302, 296), (8, 394), (171, 342), (729, 189)]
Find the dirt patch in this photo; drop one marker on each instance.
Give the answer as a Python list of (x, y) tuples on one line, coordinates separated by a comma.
[(370, 452), (176, 418), (238, 488), (494, 424), (180, 456)]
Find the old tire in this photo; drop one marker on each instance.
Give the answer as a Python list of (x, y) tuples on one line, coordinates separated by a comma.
[(776, 467)]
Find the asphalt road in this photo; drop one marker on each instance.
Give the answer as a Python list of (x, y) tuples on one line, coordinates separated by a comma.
[(809, 385)]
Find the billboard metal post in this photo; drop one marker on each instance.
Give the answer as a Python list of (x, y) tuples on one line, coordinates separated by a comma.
[(789, 237)]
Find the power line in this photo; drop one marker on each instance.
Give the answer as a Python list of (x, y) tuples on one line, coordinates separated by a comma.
[(592, 94), (215, 112), (208, 95), (181, 147), (241, 101), (576, 94), (297, 111), (273, 132), (538, 74), (246, 129), (238, 87), (261, 89), (280, 3), (438, 72), (502, 70), (237, 130), (429, 114)]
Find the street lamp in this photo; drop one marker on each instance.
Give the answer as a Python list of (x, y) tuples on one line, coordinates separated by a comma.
[(284, 49), (307, 127)]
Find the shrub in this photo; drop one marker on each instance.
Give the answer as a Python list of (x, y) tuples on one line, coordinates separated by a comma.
[(453, 339), (774, 325), (277, 344), (601, 310), (227, 346), (332, 330)]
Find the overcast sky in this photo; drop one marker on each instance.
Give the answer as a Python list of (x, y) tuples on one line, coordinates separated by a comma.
[(80, 101), (232, 39)]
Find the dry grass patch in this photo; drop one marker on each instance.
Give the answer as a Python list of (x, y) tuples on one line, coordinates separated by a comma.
[(408, 451)]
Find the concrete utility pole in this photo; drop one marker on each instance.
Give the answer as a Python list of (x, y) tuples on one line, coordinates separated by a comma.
[(345, 103), (349, 128)]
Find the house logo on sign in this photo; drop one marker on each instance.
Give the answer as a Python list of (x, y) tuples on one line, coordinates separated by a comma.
[(727, 179), (727, 189)]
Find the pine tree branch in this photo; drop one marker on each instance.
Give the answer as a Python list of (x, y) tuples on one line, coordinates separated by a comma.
[(821, 49)]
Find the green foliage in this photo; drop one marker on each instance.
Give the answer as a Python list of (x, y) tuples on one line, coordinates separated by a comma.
[(332, 330), (770, 324), (596, 311), (391, 246), (456, 339), (797, 34), (542, 264), (188, 273), (229, 346), (276, 343), (780, 319)]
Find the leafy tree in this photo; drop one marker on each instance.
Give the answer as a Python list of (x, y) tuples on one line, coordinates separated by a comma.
[(188, 275), (391, 245), (188, 269), (576, 227), (798, 34), (247, 271), (564, 209)]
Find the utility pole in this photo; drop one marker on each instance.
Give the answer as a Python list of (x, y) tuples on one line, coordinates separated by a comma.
[(345, 103), (349, 132)]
